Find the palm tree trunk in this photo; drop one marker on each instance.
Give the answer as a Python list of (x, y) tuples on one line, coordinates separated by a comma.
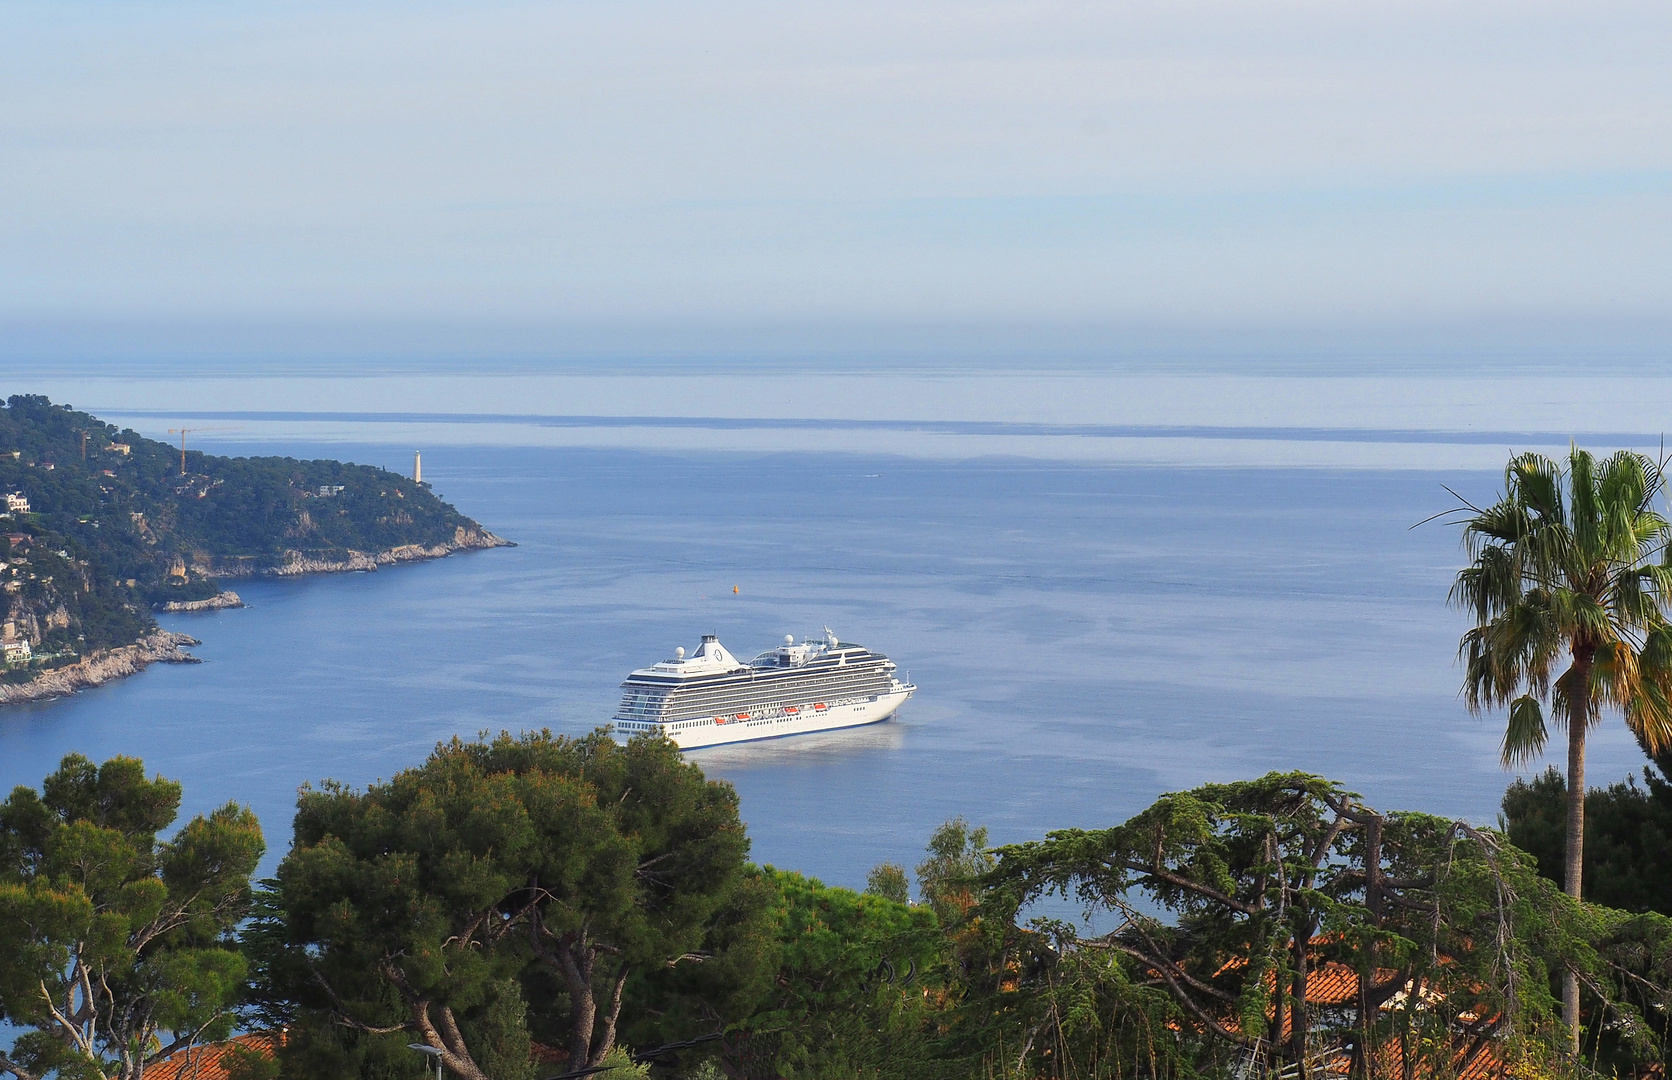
[(1573, 869)]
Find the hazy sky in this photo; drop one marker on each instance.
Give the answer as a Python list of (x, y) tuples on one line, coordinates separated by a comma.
[(733, 164)]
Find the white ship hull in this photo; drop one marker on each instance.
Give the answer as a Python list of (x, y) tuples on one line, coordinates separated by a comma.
[(693, 735), (712, 698)]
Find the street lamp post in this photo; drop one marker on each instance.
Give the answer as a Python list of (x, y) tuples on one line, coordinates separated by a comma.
[(434, 1053)]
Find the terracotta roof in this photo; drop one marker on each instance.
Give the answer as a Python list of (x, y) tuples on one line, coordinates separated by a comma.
[(1330, 983), (1487, 1065), (547, 1055), (209, 1062)]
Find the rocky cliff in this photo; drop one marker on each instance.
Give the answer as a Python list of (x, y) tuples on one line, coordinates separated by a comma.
[(226, 598), (157, 647)]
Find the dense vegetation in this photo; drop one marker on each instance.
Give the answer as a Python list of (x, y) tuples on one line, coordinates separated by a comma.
[(1260, 928), (116, 948), (116, 526), (539, 905), (1628, 834)]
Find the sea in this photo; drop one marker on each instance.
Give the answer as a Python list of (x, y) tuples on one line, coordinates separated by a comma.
[(1107, 584)]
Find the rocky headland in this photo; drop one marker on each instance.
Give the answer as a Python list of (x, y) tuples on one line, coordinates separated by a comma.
[(226, 598), (166, 647), (157, 647), (297, 562), (294, 562), (104, 528)]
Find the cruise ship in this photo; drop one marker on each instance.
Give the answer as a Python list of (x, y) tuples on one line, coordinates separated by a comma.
[(711, 697)]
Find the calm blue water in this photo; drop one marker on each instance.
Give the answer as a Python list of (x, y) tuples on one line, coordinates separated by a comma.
[(1085, 637)]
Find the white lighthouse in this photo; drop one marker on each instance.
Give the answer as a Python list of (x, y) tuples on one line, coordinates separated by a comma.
[(417, 467)]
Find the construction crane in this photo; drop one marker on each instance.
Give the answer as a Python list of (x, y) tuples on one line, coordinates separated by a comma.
[(182, 432)]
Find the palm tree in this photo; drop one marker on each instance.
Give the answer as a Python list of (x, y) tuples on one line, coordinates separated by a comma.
[(1570, 566)]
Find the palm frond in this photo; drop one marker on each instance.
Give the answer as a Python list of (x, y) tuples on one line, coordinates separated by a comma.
[(1570, 696), (1650, 530), (1504, 522), (1525, 735), (1615, 679), (1582, 499), (1635, 597), (1582, 614), (1535, 482), (1490, 585), (1650, 718)]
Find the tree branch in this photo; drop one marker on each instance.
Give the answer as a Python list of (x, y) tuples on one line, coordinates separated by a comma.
[(604, 1037), (1200, 1014), (340, 1011), (454, 1055), (457, 1056), (70, 1029), (1157, 870), (1157, 963)]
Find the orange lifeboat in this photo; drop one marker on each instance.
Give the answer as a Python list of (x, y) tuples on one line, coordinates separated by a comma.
[(818, 706), (743, 716), (791, 709)]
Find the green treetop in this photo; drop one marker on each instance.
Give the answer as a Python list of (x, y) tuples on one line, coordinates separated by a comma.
[(115, 947), (539, 867)]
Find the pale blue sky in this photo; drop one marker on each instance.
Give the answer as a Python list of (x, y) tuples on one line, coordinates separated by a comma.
[(725, 165)]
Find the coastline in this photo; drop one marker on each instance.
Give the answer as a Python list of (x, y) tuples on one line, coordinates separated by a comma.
[(294, 563), (158, 647), (167, 647), (226, 598)]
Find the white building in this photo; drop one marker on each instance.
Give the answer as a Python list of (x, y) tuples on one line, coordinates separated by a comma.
[(15, 652), (16, 503)]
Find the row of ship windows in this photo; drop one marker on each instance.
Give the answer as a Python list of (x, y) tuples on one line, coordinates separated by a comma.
[(683, 725), (751, 704), (775, 674), (834, 678), (703, 701)]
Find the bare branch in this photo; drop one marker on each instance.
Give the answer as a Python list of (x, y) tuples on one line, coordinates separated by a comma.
[(71, 1029), (8, 1065)]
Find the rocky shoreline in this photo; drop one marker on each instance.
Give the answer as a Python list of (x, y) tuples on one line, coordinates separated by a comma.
[(226, 598), (296, 563), (157, 647), (167, 647)]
